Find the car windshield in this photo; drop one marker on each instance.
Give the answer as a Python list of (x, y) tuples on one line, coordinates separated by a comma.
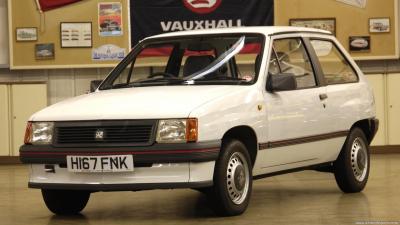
[(190, 60)]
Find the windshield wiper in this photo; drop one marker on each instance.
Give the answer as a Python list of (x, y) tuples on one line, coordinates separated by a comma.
[(220, 80), (157, 81)]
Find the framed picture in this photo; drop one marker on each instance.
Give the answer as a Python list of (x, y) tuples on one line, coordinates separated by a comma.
[(26, 34), (379, 25), (44, 51), (110, 19), (359, 43), (328, 24), (76, 34)]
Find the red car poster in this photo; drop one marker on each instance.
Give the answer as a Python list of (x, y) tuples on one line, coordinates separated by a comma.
[(110, 19)]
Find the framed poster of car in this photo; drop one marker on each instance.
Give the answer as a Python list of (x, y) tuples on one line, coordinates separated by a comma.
[(76, 34), (110, 19), (379, 25), (359, 43), (328, 24)]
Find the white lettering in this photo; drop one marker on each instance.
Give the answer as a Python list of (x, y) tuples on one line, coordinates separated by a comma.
[(167, 26), (222, 24), (198, 24), (176, 26), (209, 24), (188, 25)]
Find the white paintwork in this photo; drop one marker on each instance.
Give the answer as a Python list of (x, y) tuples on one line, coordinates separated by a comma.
[(134, 103), (377, 82), (295, 156), (200, 172), (158, 173), (284, 115), (266, 30)]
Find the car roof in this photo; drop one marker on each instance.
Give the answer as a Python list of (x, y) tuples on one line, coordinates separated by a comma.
[(266, 30)]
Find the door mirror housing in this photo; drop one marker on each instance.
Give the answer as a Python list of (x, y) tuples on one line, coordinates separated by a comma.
[(94, 84), (281, 82)]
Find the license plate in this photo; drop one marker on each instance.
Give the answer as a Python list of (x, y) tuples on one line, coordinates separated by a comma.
[(106, 163)]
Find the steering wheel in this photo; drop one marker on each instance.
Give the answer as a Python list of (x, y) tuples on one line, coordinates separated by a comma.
[(163, 74)]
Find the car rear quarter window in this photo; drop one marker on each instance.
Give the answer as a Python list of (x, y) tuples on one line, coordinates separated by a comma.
[(336, 69)]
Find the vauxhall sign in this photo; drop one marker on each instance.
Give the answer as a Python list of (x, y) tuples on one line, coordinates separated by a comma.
[(198, 24), (150, 17)]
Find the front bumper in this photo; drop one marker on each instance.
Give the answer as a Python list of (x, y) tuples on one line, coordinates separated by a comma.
[(160, 166), (157, 153), (158, 176)]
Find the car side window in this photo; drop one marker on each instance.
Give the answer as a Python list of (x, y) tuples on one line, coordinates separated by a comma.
[(293, 58), (335, 67)]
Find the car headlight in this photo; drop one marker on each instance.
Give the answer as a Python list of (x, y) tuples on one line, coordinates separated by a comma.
[(177, 131), (39, 133)]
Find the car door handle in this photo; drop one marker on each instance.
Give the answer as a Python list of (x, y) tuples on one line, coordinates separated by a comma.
[(323, 96)]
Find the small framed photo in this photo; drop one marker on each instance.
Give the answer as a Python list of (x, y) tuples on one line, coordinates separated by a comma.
[(44, 51), (379, 25), (328, 24), (359, 43), (76, 34), (26, 34)]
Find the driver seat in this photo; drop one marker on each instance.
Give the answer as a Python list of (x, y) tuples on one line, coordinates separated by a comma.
[(194, 64)]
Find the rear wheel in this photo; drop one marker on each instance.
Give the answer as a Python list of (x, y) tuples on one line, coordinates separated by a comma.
[(65, 202), (232, 179), (351, 169)]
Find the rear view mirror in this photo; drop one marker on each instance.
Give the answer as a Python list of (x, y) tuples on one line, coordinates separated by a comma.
[(281, 82), (94, 84)]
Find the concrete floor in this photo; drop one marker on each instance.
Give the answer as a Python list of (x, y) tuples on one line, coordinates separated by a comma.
[(299, 198)]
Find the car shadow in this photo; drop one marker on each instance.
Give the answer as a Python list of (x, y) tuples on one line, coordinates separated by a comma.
[(268, 202)]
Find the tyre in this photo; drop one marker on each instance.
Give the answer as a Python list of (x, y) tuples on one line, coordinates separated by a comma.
[(65, 202), (351, 168), (232, 179)]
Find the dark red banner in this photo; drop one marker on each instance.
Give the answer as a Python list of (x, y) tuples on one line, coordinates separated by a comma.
[(45, 5)]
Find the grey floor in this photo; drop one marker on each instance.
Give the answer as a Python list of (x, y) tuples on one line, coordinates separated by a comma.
[(299, 198)]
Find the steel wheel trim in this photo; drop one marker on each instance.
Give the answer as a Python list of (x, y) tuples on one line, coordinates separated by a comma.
[(359, 159), (237, 178)]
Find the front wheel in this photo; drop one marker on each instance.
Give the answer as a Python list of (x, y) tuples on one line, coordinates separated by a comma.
[(232, 179), (351, 168), (65, 202)]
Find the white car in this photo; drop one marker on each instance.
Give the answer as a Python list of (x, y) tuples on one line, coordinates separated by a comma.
[(225, 107)]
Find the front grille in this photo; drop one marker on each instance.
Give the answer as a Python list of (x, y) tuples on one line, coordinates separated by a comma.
[(105, 133)]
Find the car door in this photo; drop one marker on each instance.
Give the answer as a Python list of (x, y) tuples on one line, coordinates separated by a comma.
[(296, 119), (342, 87)]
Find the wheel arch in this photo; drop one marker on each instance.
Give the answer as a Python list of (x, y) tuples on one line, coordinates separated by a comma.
[(247, 136), (368, 126)]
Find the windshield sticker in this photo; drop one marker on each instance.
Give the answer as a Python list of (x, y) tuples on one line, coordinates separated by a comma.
[(108, 52)]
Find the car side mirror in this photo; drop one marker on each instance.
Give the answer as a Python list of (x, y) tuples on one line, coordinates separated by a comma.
[(94, 84), (281, 82)]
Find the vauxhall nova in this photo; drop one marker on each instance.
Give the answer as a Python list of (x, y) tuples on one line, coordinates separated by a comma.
[(209, 110)]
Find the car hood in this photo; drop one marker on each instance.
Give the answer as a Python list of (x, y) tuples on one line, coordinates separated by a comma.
[(134, 103)]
